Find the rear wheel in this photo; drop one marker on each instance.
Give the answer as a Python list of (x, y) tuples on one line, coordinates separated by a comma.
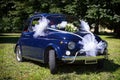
[(52, 61), (19, 54)]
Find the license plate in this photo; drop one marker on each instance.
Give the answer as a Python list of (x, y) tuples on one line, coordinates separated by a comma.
[(90, 61)]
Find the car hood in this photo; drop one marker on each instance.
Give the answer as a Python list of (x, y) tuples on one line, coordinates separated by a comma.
[(64, 35)]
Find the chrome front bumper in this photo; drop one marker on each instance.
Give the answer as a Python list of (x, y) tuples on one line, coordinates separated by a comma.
[(72, 59)]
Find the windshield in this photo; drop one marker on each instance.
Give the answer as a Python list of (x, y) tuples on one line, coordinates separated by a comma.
[(64, 22)]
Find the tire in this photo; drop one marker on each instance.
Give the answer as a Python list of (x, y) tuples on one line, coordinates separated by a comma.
[(100, 64), (52, 61), (19, 54)]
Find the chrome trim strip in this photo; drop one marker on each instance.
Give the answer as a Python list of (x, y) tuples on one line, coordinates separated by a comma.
[(34, 59)]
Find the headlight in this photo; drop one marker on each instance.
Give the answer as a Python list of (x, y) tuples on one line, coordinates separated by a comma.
[(105, 43), (71, 45)]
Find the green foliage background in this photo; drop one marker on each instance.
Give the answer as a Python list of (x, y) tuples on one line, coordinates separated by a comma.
[(13, 13)]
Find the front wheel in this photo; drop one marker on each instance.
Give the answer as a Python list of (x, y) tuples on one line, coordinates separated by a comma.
[(52, 61), (19, 54)]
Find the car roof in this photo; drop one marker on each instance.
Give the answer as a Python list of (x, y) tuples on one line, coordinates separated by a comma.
[(45, 15)]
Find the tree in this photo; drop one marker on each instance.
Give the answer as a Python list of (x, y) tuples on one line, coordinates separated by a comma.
[(100, 12), (96, 12), (115, 13)]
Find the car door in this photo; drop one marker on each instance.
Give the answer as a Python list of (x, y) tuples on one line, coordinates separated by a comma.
[(26, 39), (33, 46)]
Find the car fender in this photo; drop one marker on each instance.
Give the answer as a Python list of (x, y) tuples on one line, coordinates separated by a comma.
[(56, 48), (17, 44)]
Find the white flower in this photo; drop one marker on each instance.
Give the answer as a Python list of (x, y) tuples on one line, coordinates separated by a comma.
[(68, 26), (62, 24)]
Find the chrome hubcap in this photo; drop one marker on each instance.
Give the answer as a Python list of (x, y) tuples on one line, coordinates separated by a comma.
[(18, 54)]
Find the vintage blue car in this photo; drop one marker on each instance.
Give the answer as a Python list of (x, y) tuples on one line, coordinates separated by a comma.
[(56, 43)]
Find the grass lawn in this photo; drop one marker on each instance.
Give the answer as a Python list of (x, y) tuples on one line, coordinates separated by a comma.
[(10, 69)]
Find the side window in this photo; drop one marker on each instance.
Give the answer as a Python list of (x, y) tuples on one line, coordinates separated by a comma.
[(33, 22), (26, 25)]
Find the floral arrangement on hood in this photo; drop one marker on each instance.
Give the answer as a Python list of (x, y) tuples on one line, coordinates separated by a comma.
[(67, 26), (70, 28)]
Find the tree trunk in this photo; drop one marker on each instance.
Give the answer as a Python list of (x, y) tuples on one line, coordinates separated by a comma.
[(117, 30), (96, 30)]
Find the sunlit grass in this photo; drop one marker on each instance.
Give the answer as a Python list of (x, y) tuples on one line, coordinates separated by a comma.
[(113, 47), (10, 69)]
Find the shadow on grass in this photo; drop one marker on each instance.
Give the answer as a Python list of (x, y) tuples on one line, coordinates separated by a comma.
[(8, 39), (78, 68), (113, 37), (82, 68), (110, 35), (36, 63), (6, 78)]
